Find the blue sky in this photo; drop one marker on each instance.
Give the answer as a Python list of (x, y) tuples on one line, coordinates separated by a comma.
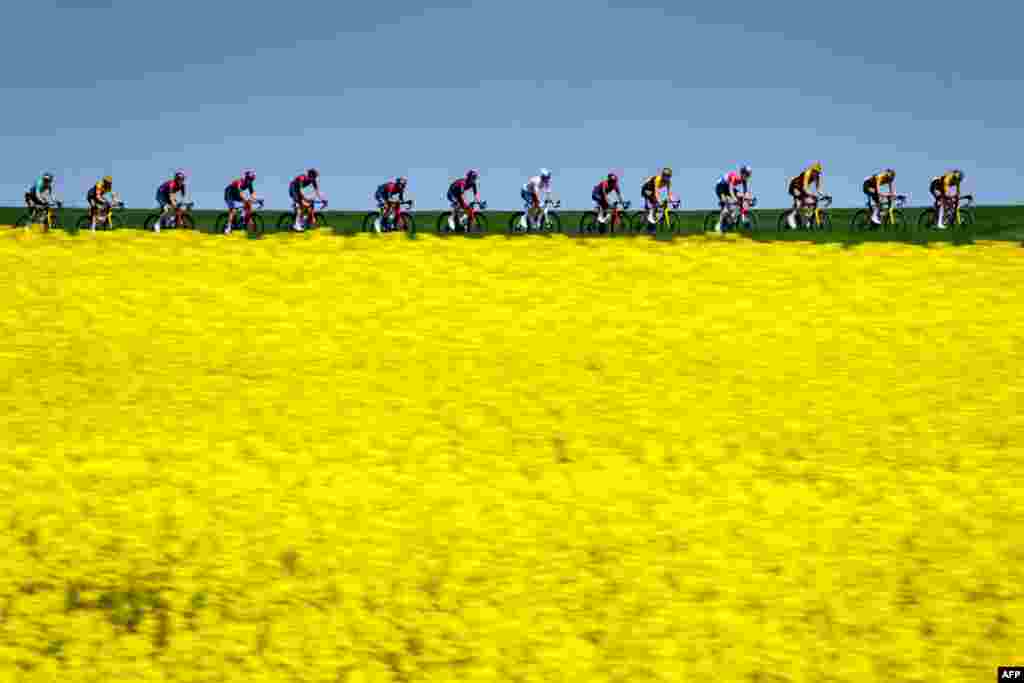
[(365, 91)]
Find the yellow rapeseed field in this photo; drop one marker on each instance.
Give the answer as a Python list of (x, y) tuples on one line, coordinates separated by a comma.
[(324, 458)]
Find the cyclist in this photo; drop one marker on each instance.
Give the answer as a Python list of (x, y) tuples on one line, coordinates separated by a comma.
[(235, 200), (944, 188), (602, 191), (298, 184), (40, 194), (653, 186), (390, 196), (873, 189), (725, 190), (165, 196), (800, 189), (97, 199), (458, 189), (531, 193)]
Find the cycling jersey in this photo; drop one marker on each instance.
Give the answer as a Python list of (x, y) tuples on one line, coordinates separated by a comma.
[(802, 182), (234, 189), (942, 183), (171, 187), (873, 184), (388, 191), (97, 191), (731, 179), (606, 187), (462, 186), (536, 186), (654, 184), (303, 181)]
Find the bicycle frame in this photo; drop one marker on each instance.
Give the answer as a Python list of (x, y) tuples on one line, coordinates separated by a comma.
[(310, 210), (615, 213), (47, 213), (107, 212), (248, 211), (180, 210), (470, 213), (817, 209)]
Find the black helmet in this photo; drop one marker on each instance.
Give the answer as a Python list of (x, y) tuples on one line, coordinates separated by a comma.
[(313, 173)]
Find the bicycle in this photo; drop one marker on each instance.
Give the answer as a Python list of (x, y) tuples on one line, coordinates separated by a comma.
[(247, 218), (182, 218), (108, 218), (377, 221), (548, 221), (959, 209), (738, 216), (312, 218), (658, 219), (890, 212), (46, 216), (613, 220), (814, 216), (468, 221)]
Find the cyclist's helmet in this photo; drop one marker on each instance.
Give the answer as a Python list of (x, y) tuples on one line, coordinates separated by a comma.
[(612, 178), (746, 171), (959, 174), (545, 174), (249, 174), (108, 181), (890, 172), (401, 180), (472, 173), (666, 172), (48, 177), (313, 173), (179, 175), (816, 167)]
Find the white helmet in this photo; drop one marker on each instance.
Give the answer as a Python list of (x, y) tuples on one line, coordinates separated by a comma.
[(545, 173)]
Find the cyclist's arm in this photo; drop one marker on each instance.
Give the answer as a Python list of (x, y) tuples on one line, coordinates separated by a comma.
[(316, 190)]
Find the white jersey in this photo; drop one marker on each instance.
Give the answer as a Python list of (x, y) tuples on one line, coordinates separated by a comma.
[(538, 186)]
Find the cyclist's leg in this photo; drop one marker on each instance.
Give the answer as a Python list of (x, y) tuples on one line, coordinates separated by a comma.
[(722, 192), (93, 212), (602, 206)]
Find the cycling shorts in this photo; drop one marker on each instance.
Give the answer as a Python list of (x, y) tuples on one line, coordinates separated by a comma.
[(163, 198)]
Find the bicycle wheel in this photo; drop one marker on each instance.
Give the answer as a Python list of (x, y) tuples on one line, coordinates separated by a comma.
[(405, 223), (749, 225), (668, 224), (640, 223), (113, 222), (897, 220), (929, 218), (552, 223), (445, 224), (26, 221), (220, 223), (83, 223), (825, 224), (711, 220), (256, 225), (286, 222), (517, 222), (861, 220), (369, 221), (589, 224), (321, 221), (150, 221), (479, 225), (783, 223), (185, 222), (966, 218)]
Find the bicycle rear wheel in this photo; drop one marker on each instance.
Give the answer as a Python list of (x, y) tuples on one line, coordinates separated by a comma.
[(26, 221), (711, 220), (286, 222), (445, 224), (861, 220), (589, 224)]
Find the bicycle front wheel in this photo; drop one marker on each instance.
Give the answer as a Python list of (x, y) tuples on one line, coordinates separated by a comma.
[(896, 220), (551, 223), (185, 222), (114, 222), (150, 221), (641, 223), (256, 225), (26, 221), (929, 218), (405, 223), (479, 225)]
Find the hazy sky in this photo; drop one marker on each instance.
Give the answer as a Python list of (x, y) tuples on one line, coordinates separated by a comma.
[(368, 90)]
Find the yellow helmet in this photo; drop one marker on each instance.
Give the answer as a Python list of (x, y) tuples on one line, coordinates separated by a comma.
[(107, 180), (816, 166)]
